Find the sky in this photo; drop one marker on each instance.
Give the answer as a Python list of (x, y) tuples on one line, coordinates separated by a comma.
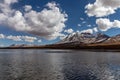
[(39, 22)]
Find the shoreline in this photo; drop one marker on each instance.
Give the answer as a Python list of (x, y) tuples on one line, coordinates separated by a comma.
[(70, 46)]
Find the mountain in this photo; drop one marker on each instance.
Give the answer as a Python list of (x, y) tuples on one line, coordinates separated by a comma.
[(85, 38), (22, 45), (79, 41), (101, 38), (114, 39)]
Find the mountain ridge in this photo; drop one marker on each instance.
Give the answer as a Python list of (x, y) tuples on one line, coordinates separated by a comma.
[(78, 41), (86, 38)]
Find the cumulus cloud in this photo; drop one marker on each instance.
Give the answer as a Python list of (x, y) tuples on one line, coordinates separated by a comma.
[(101, 8), (9, 1), (14, 38), (19, 38), (39, 41), (28, 38), (69, 31), (28, 7), (105, 24), (48, 23), (87, 31), (116, 23), (2, 36), (95, 29)]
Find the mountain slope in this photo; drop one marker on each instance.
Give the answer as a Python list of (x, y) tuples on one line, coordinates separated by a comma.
[(81, 41), (86, 38)]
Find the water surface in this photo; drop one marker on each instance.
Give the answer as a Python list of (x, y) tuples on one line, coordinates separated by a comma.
[(59, 65)]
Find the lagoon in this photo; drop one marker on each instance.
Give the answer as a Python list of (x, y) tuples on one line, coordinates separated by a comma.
[(50, 64)]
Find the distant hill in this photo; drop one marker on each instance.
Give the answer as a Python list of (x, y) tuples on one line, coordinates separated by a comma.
[(79, 41)]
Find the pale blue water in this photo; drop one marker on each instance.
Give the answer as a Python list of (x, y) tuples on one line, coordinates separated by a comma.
[(59, 65)]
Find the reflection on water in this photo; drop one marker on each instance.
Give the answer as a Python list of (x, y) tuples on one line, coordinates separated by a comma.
[(59, 65)]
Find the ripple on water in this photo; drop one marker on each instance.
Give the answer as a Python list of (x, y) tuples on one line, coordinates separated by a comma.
[(57, 65)]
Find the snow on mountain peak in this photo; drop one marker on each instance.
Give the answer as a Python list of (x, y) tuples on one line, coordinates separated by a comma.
[(84, 38)]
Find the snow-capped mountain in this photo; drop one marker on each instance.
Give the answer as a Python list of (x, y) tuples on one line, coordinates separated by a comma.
[(101, 37), (80, 41), (84, 38), (114, 39)]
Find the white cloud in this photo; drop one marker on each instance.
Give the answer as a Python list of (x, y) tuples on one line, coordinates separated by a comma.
[(69, 31), (102, 8), (14, 38), (105, 24), (39, 41), (62, 36), (89, 25), (84, 22), (28, 7), (82, 19), (10, 1), (19, 38), (48, 23), (95, 29), (28, 38), (18, 22), (2, 36), (87, 31), (116, 23), (79, 25)]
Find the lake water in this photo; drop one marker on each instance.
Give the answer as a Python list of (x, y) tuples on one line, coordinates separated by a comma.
[(59, 65)]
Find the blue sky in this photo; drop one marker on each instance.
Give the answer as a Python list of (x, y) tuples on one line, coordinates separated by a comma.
[(21, 19)]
